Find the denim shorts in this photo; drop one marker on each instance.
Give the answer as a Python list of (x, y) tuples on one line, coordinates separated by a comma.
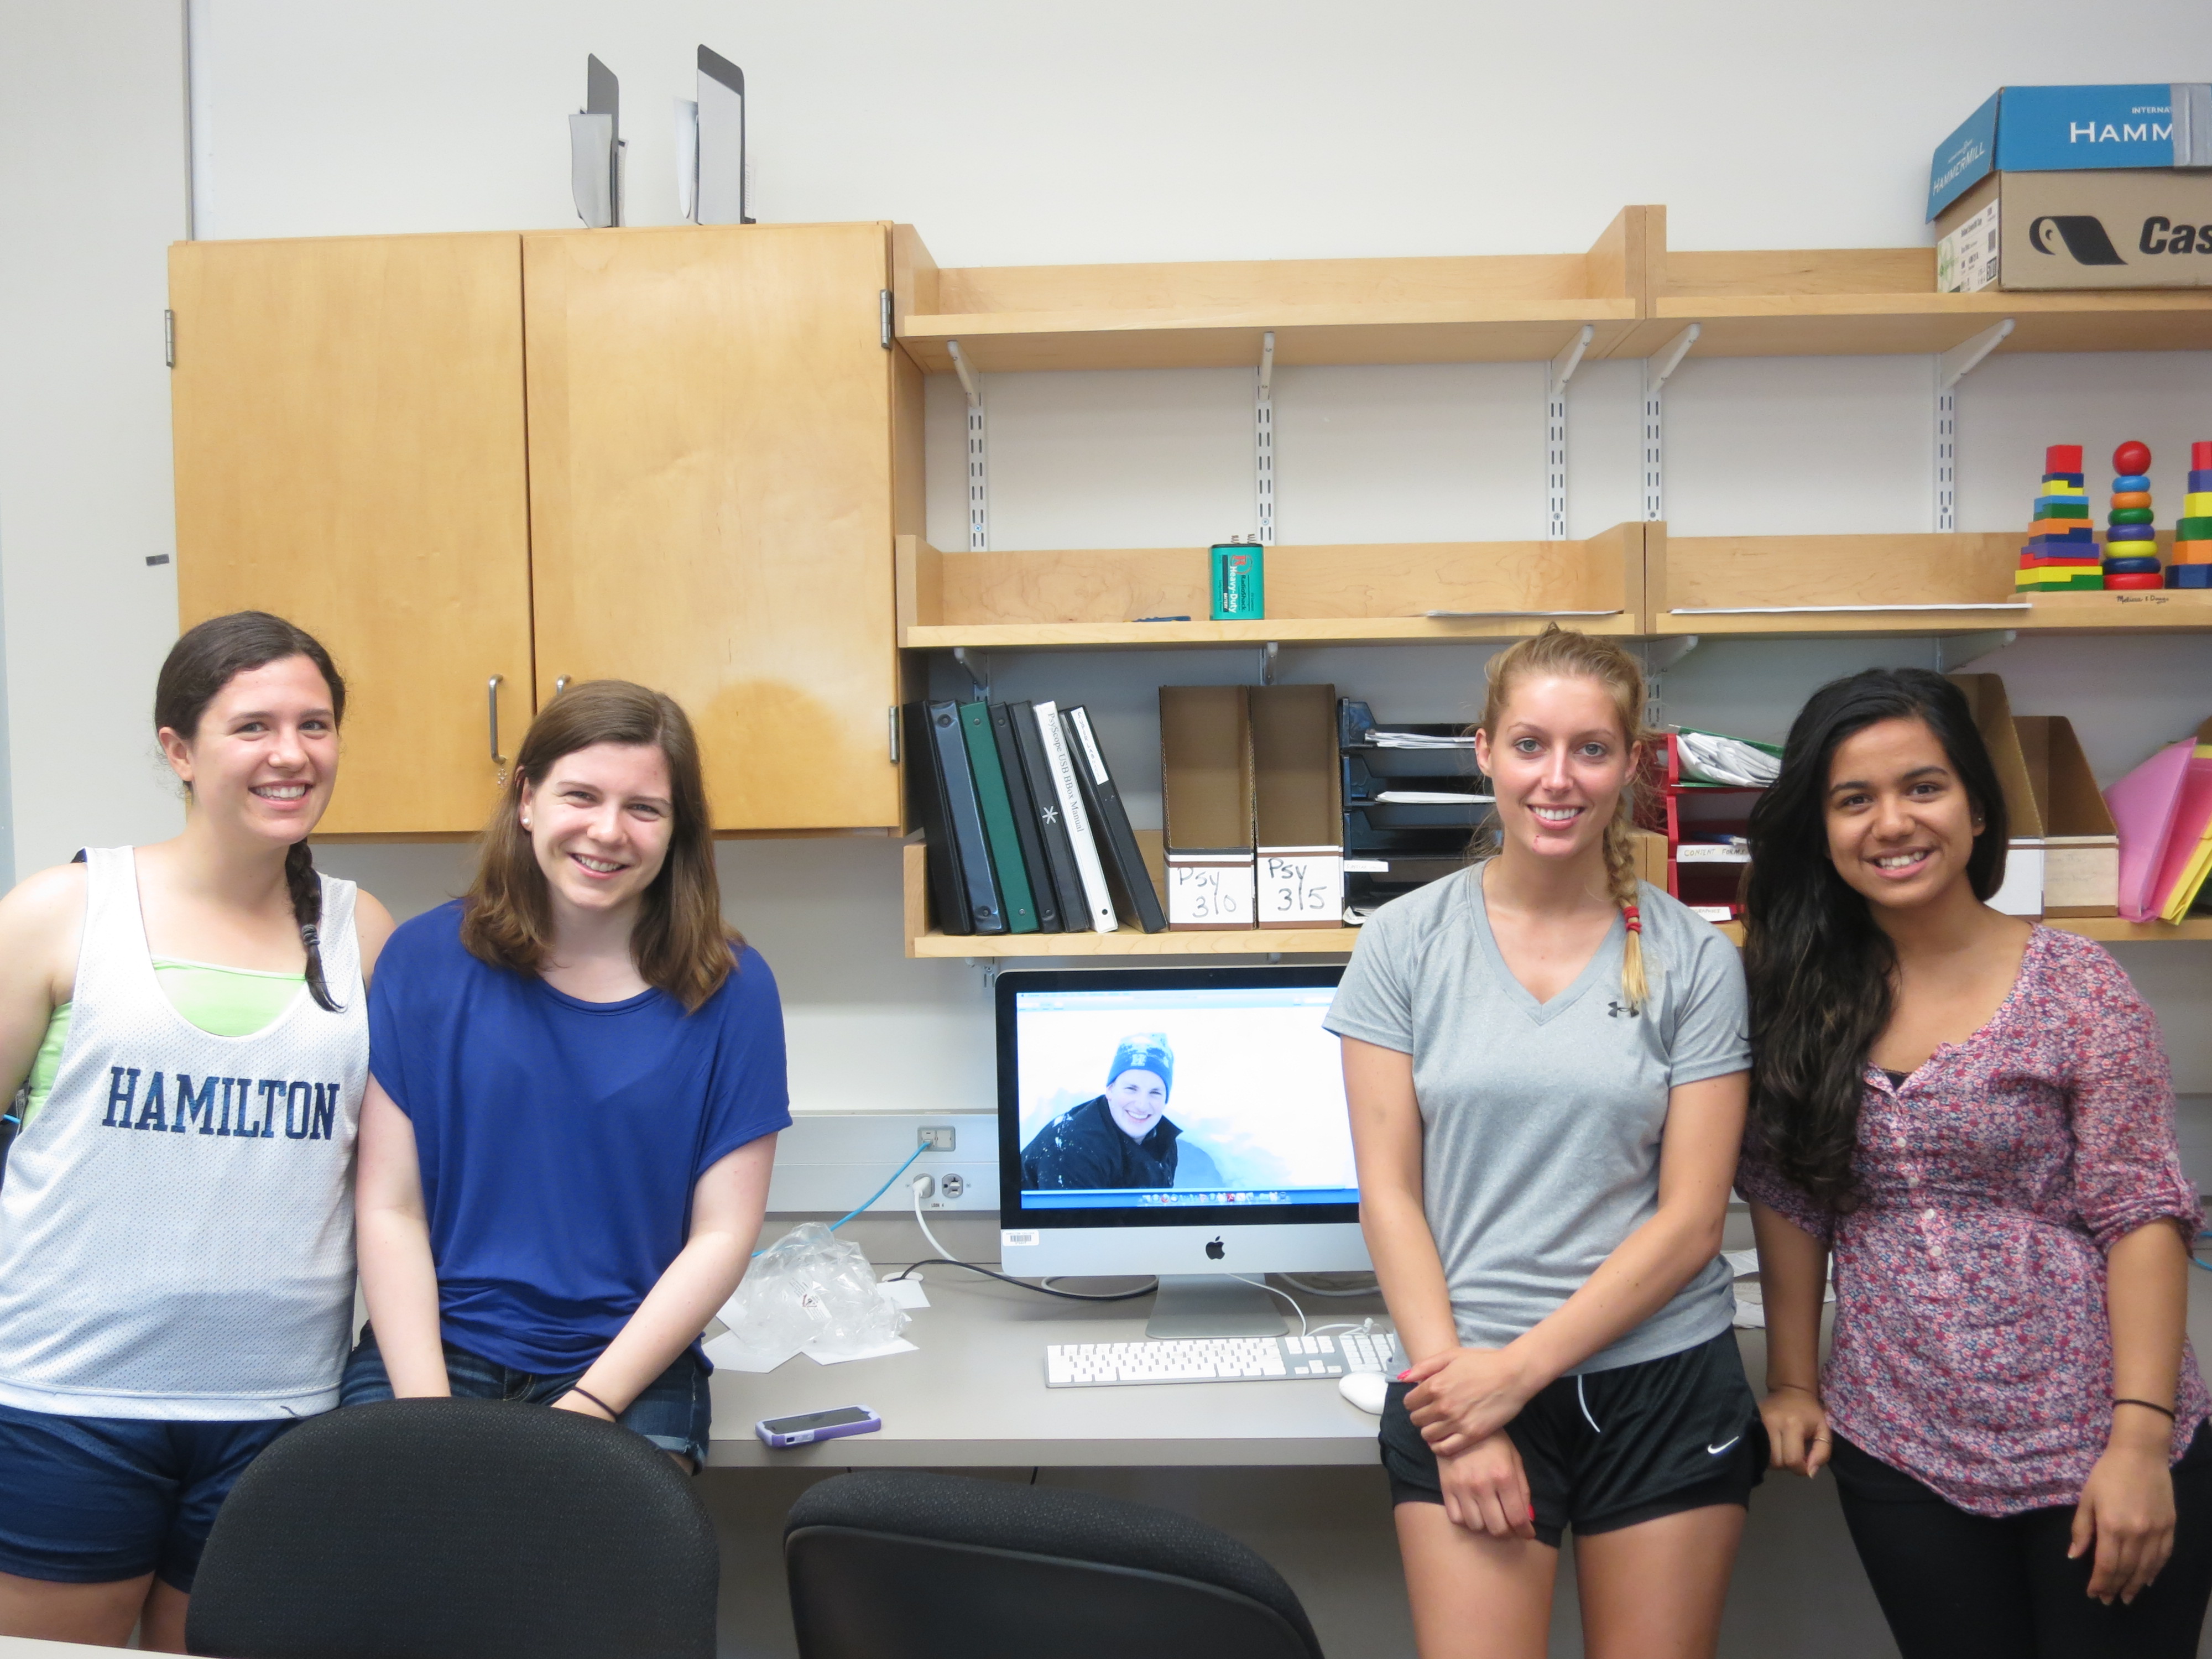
[(674, 1413), (92, 1500)]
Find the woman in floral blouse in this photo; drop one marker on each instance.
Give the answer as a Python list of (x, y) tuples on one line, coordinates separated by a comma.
[(1973, 1114)]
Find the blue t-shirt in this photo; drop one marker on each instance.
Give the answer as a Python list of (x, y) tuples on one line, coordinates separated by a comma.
[(560, 1140)]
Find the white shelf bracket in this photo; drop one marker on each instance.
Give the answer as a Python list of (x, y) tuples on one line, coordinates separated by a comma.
[(1953, 651), (1951, 368), (1657, 368), (980, 682), (1659, 656), (1263, 440), (1560, 371), (979, 497)]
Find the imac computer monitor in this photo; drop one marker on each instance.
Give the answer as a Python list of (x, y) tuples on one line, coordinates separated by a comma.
[(1184, 1122)]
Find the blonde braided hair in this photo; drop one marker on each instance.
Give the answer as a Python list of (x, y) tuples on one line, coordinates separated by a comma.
[(1563, 653)]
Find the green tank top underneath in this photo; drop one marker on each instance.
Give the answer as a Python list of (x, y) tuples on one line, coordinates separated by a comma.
[(221, 1001)]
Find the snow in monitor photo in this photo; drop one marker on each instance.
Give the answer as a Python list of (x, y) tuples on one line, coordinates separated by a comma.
[(1167, 1095)]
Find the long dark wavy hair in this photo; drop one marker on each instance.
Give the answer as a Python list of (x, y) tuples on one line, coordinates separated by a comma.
[(1820, 972), (207, 658)]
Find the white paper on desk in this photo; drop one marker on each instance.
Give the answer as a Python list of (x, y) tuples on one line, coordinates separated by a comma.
[(731, 1355), (903, 1292), (897, 1345)]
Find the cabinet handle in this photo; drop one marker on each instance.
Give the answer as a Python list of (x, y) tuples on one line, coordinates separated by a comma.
[(491, 712), (560, 684)]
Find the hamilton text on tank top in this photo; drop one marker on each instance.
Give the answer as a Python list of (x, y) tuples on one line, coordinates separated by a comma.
[(176, 1227)]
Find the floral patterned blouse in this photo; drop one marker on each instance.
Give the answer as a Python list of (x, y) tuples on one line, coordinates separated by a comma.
[(1972, 1347)]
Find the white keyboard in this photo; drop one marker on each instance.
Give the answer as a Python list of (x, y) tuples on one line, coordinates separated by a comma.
[(1218, 1359)]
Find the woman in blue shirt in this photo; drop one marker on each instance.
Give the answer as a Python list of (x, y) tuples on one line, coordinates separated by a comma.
[(576, 1078)]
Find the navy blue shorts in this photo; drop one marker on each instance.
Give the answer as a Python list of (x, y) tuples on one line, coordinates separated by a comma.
[(92, 1500), (674, 1413)]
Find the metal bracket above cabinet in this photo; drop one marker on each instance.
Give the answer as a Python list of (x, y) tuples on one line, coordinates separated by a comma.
[(1657, 368), (1263, 440), (1556, 376), (979, 500), (1951, 368)]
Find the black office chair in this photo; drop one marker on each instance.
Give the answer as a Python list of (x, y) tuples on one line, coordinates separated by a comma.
[(899, 1565), (457, 1529)]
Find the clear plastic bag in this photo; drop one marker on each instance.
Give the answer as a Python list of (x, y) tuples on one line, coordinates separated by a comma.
[(811, 1289)]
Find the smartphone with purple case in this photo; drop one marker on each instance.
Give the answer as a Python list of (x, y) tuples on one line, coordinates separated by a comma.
[(818, 1425)]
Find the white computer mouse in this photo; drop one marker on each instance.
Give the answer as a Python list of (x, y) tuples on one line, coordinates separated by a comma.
[(1365, 1390)]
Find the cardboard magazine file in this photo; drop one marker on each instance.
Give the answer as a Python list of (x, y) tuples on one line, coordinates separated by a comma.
[(2022, 893), (1206, 795), (2081, 842), (1297, 806), (2063, 858)]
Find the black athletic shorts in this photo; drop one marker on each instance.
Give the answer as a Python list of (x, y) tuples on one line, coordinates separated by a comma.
[(1611, 1449)]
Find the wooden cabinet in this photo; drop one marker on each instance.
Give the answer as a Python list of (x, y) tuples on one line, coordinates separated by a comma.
[(712, 420), (349, 454), (676, 456)]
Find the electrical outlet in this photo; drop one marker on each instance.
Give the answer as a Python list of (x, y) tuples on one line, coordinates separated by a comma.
[(953, 1185), (938, 1138)]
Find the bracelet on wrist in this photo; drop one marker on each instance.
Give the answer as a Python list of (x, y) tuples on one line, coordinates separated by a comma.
[(2151, 1406), (612, 1414), (1775, 1387)]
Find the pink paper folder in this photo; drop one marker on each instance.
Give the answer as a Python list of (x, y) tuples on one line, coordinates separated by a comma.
[(2191, 814), (2143, 804)]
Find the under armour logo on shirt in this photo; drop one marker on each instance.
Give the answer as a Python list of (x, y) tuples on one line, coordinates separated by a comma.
[(1614, 1011)]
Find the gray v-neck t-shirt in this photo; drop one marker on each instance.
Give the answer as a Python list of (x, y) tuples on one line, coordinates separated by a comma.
[(1541, 1121)]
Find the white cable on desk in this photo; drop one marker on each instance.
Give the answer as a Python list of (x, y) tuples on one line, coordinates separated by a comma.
[(1262, 1284), (922, 1184)]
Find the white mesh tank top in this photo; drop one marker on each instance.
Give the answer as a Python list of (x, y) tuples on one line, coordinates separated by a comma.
[(176, 1227)]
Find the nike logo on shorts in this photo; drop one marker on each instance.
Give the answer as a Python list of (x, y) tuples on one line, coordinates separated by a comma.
[(1723, 1446)]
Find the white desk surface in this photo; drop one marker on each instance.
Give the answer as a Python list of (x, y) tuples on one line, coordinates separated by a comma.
[(25, 1647), (974, 1395)]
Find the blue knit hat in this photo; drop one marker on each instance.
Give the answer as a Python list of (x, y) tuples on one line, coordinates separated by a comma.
[(1145, 1051)]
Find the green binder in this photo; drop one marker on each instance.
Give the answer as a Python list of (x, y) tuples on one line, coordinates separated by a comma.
[(997, 818)]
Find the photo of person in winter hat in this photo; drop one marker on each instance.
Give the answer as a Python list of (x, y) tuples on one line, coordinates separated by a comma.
[(1120, 1138)]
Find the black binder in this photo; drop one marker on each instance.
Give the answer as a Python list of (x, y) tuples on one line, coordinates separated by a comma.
[(1109, 824), (1025, 822), (925, 795), (942, 793), (1066, 880)]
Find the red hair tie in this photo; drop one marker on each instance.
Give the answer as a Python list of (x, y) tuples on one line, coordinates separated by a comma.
[(1635, 920)]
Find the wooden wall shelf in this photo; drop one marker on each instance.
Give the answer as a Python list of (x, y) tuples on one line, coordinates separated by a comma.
[(924, 941), (1347, 594), (1635, 292), (1896, 585), (1512, 308)]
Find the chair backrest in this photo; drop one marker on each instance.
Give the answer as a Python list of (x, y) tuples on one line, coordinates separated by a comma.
[(900, 1565), (457, 1529)]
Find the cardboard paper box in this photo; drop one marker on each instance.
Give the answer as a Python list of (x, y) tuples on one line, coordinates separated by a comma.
[(2076, 187), (1297, 808), (2033, 231)]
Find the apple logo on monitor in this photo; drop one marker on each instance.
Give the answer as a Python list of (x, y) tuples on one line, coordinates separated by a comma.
[(1215, 1250)]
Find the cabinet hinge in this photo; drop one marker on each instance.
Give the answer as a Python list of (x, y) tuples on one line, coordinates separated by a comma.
[(169, 339), (883, 316), (895, 733)]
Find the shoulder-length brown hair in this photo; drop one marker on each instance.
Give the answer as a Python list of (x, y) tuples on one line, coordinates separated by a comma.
[(681, 943)]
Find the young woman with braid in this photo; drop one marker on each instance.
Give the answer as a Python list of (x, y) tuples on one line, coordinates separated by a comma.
[(188, 1026), (1546, 1065), (1972, 1117)]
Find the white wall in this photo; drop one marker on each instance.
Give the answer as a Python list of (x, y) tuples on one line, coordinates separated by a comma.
[(1013, 133), (92, 176)]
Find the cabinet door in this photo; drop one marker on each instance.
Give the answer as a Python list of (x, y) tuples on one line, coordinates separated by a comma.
[(349, 454), (711, 501)]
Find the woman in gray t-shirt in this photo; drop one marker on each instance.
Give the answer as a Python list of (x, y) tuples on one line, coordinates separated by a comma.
[(1546, 1062)]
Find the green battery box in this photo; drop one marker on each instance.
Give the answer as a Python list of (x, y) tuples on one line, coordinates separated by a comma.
[(1240, 582)]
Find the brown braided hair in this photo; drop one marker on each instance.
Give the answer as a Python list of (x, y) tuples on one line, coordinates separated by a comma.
[(208, 657), (1564, 652)]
